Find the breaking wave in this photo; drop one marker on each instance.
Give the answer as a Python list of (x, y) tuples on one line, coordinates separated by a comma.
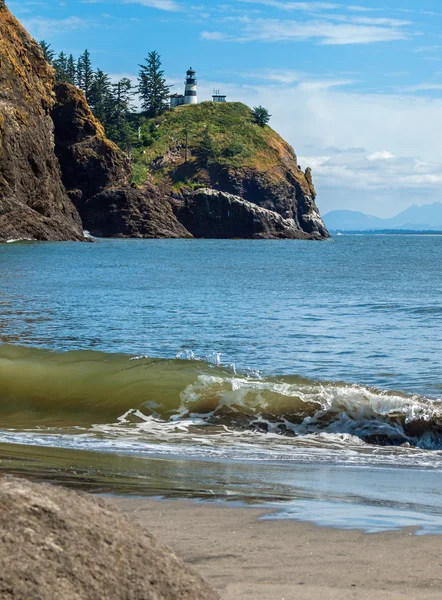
[(41, 388)]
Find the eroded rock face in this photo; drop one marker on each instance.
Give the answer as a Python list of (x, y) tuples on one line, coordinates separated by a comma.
[(209, 213), (89, 162), (131, 212), (60, 544), (97, 175), (284, 189), (33, 201)]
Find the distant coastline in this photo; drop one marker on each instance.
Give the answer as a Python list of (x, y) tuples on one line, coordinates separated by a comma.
[(385, 232)]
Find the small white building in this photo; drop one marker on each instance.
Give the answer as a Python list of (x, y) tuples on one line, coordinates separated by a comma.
[(190, 91), (217, 97)]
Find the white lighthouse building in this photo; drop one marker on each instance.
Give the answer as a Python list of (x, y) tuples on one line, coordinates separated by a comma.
[(190, 91)]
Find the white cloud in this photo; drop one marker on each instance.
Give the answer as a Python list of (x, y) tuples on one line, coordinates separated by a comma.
[(40, 27), (377, 153), (381, 155), (168, 5), (326, 32), (306, 6)]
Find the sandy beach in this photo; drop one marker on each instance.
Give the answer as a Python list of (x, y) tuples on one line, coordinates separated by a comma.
[(245, 558)]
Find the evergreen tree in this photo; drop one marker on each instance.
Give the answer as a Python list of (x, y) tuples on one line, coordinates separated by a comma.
[(48, 53), (71, 70), (61, 68), (123, 93), (123, 130), (261, 116), (101, 99), (152, 87), (85, 73)]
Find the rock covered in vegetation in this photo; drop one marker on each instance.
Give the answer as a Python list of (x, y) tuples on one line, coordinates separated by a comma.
[(218, 146), (33, 201), (60, 544), (209, 213)]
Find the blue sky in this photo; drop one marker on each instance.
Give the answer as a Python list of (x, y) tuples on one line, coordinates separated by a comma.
[(355, 88)]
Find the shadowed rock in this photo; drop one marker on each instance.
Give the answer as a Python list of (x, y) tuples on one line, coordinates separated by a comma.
[(131, 212), (66, 545), (33, 201), (209, 213), (89, 162)]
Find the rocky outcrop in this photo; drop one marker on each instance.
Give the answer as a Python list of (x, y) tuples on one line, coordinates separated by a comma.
[(284, 190), (33, 201), (89, 162), (97, 176), (219, 146), (61, 544), (134, 213), (210, 213)]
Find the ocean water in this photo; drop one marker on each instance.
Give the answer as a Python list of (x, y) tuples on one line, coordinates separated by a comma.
[(265, 371)]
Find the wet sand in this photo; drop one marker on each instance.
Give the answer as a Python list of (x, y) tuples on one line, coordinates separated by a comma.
[(248, 559)]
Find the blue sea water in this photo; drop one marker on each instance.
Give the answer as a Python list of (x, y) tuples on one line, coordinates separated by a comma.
[(337, 343), (363, 309)]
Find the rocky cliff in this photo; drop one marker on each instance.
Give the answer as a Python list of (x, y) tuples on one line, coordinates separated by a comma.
[(218, 146), (208, 213), (33, 201), (84, 182), (97, 177)]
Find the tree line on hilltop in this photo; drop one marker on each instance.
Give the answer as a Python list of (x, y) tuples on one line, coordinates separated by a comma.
[(114, 103)]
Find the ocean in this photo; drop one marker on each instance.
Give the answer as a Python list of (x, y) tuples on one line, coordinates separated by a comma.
[(306, 376)]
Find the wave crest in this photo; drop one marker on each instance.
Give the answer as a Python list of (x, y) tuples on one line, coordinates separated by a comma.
[(84, 388)]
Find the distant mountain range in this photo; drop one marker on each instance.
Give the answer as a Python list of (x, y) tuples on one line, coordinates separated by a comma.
[(416, 218)]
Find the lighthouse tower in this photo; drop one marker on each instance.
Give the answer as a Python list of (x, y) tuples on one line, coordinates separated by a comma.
[(190, 96)]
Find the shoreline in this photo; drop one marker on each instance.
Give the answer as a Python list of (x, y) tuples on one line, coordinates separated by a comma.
[(245, 558)]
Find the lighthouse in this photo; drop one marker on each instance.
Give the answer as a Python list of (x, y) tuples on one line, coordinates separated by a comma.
[(190, 96)]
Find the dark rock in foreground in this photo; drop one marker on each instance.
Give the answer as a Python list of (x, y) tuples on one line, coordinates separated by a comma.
[(60, 544), (131, 212), (33, 201), (209, 213)]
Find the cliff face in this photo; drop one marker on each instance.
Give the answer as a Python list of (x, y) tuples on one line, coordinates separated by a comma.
[(218, 146), (134, 213), (212, 214), (264, 193), (33, 201), (89, 161), (97, 176)]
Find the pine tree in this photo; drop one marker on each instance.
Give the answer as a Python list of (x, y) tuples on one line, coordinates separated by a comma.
[(152, 87), (100, 98), (61, 68), (71, 70), (261, 116), (48, 53), (79, 74), (123, 93), (85, 73), (123, 130)]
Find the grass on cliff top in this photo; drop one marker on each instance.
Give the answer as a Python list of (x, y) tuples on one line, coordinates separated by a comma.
[(214, 134)]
